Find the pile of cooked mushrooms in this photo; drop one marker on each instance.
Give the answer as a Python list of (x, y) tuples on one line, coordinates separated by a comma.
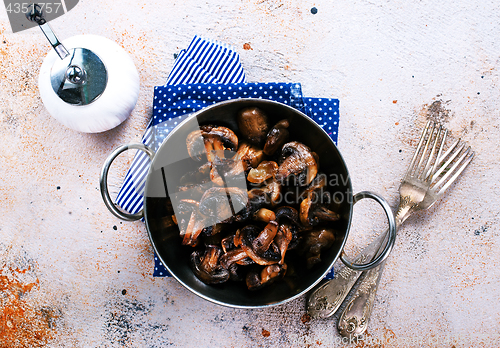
[(255, 201)]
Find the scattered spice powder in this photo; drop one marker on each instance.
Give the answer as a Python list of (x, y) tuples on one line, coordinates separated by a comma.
[(22, 325), (246, 46), (305, 318)]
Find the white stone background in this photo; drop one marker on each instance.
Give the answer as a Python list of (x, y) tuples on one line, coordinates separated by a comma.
[(63, 266)]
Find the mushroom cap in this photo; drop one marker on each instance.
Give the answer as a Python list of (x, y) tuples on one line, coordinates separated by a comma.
[(297, 164), (277, 136), (287, 213), (220, 138), (207, 267), (253, 125)]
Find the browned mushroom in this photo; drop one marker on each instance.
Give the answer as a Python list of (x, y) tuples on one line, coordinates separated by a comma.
[(313, 210), (314, 243), (212, 141), (249, 155), (196, 176), (259, 251), (256, 279), (190, 221), (232, 256), (228, 168), (253, 124), (222, 204), (265, 170), (263, 241), (297, 165), (264, 215), (287, 236), (277, 136), (207, 267), (270, 193)]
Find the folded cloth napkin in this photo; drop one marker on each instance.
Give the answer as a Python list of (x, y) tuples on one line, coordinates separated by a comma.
[(206, 73)]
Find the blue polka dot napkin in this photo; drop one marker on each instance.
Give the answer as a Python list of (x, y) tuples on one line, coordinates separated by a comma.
[(206, 73)]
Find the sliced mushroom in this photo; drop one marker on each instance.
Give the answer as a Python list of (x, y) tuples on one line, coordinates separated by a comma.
[(263, 241), (253, 124), (277, 136), (232, 256), (256, 279), (264, 215), (210, 139), (186, 216), (228, 168), (221, 204), (249, 155), (314, 243), (207, 267), (318, 184), (193, 230), (256, 250), (265, 170), (270, 193), (283, 238), (286, 237), (297, 165), (313, 210)]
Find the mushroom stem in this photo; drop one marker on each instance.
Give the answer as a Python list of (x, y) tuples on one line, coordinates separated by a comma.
[(264, 215), (265, 238)]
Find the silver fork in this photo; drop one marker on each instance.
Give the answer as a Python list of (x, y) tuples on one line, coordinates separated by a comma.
[(429, 174)]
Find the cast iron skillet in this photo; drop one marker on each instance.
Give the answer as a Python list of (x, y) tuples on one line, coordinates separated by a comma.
[(167, 243)]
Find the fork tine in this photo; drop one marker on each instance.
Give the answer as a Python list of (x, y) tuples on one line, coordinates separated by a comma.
[(459, 171), (424, 152), (453, 156), (444, 180), (426, 173), (452, 147), (438, 157), (419, 146)]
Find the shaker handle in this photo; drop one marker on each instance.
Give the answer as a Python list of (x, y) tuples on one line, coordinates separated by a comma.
[(35, 14), (104, 181), (391, 234)]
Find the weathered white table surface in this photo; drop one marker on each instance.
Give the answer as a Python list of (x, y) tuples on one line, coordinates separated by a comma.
[(72, 275)]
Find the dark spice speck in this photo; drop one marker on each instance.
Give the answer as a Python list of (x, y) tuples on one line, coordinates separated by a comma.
[(314, 10), (115, 228)]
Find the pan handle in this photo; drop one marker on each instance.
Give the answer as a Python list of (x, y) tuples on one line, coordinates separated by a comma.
[(391, 234), (113, 208)]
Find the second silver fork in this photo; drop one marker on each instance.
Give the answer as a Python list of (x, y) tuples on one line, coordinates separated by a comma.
[(430, 173)]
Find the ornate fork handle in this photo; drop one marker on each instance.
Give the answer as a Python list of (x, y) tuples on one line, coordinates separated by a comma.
[(356, 315), (326, 300)]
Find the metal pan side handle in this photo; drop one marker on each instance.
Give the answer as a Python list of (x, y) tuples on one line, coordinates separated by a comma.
[(391, 234), (103, 180)]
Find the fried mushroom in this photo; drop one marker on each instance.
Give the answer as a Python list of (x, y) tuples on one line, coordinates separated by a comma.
[(265, 170), (258, 278), (313, 211), (207, 268), (259, 251), (277, 136), (298, 166), (314, 243), (253, 125), (210, 140)]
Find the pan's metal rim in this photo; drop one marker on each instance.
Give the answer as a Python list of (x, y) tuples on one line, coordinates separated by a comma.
[(349, 186)]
